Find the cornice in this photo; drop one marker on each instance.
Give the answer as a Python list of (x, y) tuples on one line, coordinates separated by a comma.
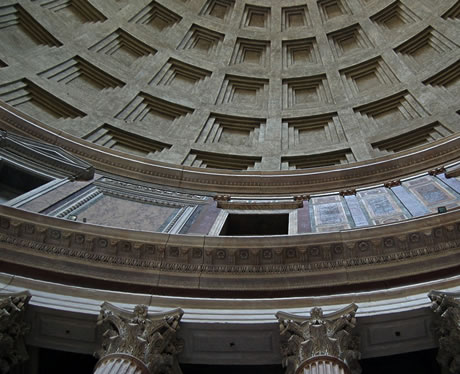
[(352, 258), (45, 156), (362, 173)]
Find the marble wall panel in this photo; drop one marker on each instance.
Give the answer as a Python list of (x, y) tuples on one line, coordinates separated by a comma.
[(381, 206), (303, 219), (410, 202), (432, 193), (329, 213), (453, 183), (202, 222), (359, 217), (112, 211)]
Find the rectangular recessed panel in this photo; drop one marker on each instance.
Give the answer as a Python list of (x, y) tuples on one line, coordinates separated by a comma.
[(112, 137)]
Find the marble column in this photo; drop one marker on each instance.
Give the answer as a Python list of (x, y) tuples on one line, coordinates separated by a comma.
[(446, 326), (13, 329), (138, 342), (319, 343)]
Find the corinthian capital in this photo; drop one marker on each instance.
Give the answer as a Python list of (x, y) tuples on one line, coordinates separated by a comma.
[(149, 337), (446, 324), (13, 329), (303, 338)]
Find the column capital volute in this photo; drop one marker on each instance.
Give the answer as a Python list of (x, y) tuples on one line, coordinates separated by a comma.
[(440, 299), (305, 338), (446, 327), (149, 337), (13, 329)]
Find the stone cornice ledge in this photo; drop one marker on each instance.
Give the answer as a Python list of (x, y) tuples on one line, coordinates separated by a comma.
[(88, 300), (324, 179), (377, 257)]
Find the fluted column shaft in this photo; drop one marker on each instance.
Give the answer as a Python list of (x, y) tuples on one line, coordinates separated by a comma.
[(323, 365), (120, 364)]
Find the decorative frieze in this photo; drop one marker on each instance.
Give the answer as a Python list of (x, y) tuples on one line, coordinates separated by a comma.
[(329, 251)]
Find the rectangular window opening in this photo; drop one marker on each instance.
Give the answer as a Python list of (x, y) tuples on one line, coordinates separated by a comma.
[(15, 181), (255, 224)]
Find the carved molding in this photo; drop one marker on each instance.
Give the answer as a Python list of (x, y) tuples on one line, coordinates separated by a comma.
[(393, 183), (142, 193), (151, 338), (48, 155), (326, 251), (446, 325), (438, 170), (225, 202), (13, 329), (304, 338), (453, 172), (349, 192), (416, 248), (328, 179), (222, 260)]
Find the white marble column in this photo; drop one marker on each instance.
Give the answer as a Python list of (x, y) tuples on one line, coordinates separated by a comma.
[(323, 365), (120, 364)]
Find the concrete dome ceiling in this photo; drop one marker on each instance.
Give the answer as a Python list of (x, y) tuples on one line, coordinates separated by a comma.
[(243, 85)]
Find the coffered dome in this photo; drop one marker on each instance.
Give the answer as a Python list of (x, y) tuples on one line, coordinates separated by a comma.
[(233, 158), (241, 85)]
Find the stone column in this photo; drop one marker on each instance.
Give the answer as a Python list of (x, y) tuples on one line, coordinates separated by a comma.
[(13, 329), (138, 342), (319, 343), (446, 325)]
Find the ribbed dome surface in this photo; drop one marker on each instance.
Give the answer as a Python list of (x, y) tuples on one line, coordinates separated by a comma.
[(244, 85)]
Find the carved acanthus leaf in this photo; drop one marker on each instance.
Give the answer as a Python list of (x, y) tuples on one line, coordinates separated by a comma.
[(13, 329), (318, 335), (446, 324), (149, 337)]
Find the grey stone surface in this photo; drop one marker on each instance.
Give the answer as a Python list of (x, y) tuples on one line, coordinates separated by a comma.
[(133, 43)]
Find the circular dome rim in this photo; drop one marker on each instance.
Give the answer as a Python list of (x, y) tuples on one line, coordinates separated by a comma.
[(441, 153)]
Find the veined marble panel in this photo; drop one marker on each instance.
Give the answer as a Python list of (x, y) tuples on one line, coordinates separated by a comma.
[(382, 206), (432, 193), (329, 214)]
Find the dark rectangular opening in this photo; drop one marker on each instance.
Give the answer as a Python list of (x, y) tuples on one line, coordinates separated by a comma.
[(255, 224), (15, 181)]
